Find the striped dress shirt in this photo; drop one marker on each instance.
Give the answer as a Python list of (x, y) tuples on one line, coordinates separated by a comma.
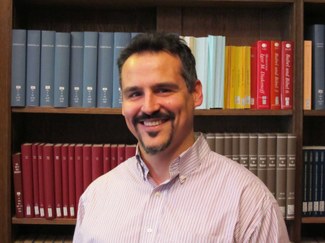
[(208, 198)]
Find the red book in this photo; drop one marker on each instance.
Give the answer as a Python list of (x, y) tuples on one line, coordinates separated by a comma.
[(40, 180), (27, 172), (260, 75), (65, 180), (130, 150), (79, 172), (58, 180), (106, 158), (275, 81), (287, 74), (48, 171), (18, 186), (72, 180), (35, 179), (120, 153), (86, 163), (113, 156), (97, 161)]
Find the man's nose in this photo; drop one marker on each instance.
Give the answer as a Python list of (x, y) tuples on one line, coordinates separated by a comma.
[(150, 104)]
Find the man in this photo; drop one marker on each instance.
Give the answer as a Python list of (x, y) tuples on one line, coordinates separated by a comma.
[(175, 189)]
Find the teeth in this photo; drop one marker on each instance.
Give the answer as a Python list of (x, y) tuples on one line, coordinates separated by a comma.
[(152, 123)]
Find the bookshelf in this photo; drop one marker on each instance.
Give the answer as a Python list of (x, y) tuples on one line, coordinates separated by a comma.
[(241, 21)]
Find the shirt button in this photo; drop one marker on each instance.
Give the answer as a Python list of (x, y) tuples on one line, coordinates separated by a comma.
[(157, 194), (149, 230)]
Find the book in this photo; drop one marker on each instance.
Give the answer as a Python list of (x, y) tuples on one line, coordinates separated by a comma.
[(86, 164), (235, 147), (219, 143), (287, 64), (33, 67), (316, 33), (227, 145), (97, 161), (58, 200), (41, 179), (114, 162), (121, 40), (61, 69), (281, 167), (76, 68), (18, 68), (252, 152), (105, 69), (120, 153), (243, 149), (49, 186), (47, 68), (35, 179), (72, 180), (261, 156), (90, 69), (106, 158), (130, 150), (18, 185), (307, 75), (65, 180), (260, 75), (79, 172), (27, 174), (290, 176), (275, 75), (305, 181), (271, 163)]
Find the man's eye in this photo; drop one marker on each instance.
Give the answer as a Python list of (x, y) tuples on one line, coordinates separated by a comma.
[(163, 90), (134, 94)]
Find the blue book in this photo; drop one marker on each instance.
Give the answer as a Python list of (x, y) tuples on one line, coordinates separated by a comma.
[(18, 68), (201, 57), (47, 68), (61, 69), (76, 68), (105, 69), (316, 33), (90, 69), (121, 40), (33, 67), (212, 78), (220, 73)]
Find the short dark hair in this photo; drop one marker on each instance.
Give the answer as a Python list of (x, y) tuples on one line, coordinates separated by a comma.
[(168, 42)]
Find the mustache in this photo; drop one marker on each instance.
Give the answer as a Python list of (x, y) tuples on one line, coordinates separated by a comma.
[(157, 115)]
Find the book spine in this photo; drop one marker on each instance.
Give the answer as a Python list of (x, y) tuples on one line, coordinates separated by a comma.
[(65, 180), (76, 68), (271, 163), (90, 69), (235, 147), (106, 158), (27, 172), (275, 71), (307, 74), (35, 179), (281, 165), (130, 150), (121, 40), (105, 69), (47, 68), (79, 172), (120, 153), (287, 64), (291, 171), (33, 67), (18, 68), (72, 180), (261, 156), (243, 149), (61, 69), (41, 179), (253, 102), (18, 186), (113, 156), (87, 167), (97, 161), (57, 153), (49, 187), (252, 152), (211, 140), (305, 183), (219, 143), (322, 182)]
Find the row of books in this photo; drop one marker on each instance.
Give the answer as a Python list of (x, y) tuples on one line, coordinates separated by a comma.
[(44, 238), (49, 178), (78, 69), (313, 203), (314, 68), (259, 76), (60, 69), (270, 156)]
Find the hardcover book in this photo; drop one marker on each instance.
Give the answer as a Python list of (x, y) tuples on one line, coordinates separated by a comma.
[(275, 72), (97, 161), (18, 68), (87, 166), (79, 171), (65, 180), (58, 202), (307, 75), (261, 156), (291, 171), (49, 186), (27, 173), (18, 186), (35, 179), (287, 61), (72, 180)]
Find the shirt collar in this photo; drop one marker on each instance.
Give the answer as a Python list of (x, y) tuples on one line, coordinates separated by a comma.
[(185, 164)]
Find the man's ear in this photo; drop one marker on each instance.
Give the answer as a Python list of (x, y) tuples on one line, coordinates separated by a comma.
[(197, 93)]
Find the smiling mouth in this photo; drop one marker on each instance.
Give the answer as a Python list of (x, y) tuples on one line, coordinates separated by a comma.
[(153, 123), (153, 119)]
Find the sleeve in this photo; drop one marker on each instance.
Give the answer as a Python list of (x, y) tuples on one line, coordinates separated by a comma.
[(77, 236)]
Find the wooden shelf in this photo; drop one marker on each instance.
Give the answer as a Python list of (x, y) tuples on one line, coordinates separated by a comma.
[(43, 221), (313, 220)]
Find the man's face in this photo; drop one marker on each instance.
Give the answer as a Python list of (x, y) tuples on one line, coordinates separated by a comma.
[(157, 106)]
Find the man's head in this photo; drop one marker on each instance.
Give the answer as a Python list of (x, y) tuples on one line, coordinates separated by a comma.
[(160, 92)]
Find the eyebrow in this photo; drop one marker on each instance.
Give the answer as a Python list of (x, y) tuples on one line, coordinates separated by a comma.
[(156, 86)]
